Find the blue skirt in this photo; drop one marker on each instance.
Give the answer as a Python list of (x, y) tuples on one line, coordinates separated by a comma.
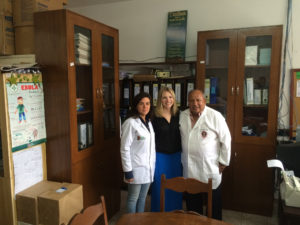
[(170, 165)]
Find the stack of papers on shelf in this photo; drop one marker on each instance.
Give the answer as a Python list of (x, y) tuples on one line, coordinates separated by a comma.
[(251, 55), (257, 96), (249, 90), (82, 49)]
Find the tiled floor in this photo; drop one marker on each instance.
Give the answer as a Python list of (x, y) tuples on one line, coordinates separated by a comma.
[(233, 217)]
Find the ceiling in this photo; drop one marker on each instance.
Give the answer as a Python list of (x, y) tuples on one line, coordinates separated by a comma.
[(80, 3)]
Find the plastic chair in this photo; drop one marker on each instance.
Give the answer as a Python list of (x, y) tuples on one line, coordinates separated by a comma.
[(189, 185), (91, 214)]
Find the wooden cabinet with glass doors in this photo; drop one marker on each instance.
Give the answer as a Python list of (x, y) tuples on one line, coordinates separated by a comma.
[(239, 71), (79, 59)]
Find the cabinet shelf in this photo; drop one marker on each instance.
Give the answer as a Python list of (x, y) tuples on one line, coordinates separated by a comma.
[(84, 112), (156, 63), (256, 106), (216, 67), (82, 65), (257, 66), (216, 105)]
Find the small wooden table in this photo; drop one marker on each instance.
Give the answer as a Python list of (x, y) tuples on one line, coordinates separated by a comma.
[(166, 218)]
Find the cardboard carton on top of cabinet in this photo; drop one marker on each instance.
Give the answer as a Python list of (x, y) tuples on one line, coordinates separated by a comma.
[(27, 204), (24, 40), (24, 9), (17, 59), (59, 206), (7, 36), (6, 7)]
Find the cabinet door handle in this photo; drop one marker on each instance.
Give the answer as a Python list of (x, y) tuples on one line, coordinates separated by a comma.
[(232, 90), (237, 90), (235, 154)]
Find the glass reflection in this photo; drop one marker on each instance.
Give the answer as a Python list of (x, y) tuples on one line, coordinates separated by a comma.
[(84, 87), (216, 74), (108, 86)]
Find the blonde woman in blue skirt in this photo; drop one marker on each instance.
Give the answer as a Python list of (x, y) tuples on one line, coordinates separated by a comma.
[(168, 149)]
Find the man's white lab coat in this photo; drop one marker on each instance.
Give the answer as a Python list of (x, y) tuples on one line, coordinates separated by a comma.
[(205, 145)]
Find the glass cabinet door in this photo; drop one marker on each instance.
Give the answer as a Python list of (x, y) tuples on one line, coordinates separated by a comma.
[(258, 50), (258, 72), (84, 87), (216, 74), (216, 69), (108, 86)]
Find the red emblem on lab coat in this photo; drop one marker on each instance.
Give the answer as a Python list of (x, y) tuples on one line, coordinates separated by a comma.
[(204, 134)]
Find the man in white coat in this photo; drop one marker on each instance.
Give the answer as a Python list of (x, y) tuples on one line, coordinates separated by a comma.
[(206, 148)]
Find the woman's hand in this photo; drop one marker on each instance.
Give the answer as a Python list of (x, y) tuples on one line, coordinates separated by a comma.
[(129, 180)]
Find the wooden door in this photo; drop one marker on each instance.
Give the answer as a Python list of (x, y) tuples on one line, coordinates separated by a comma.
[(256, 121), (110, 173), (217, 52), (217, 56)]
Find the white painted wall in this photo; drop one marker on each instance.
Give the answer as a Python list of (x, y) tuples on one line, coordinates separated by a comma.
[(142, 27)]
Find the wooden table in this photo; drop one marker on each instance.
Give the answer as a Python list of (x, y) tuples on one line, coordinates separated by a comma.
[(166, 218)]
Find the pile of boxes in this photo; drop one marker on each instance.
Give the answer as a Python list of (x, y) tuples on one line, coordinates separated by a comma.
[(49, 203), (17, 26)]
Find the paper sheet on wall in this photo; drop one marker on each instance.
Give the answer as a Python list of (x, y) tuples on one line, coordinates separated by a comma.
[(28, 167), (298, 89)]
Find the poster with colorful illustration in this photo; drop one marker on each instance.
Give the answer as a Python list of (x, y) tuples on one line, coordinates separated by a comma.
[(25, 100)]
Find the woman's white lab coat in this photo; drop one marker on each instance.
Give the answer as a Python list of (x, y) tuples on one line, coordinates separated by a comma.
[(205, 145), (138, 150)]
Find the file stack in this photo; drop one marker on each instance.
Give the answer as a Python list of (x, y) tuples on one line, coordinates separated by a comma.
[(82, 49)]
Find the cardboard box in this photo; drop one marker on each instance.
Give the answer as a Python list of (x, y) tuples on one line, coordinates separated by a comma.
[(27, 204), (6, 7), (59, 206), (24, 9), (7, 36), (24, 40), (11, 60)]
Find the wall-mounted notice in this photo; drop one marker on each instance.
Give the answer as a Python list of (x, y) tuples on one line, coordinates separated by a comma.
[(28, 167), (25, 100), (176, 36)]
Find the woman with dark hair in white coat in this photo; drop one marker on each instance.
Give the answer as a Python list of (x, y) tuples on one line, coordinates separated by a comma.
[(138, 153)]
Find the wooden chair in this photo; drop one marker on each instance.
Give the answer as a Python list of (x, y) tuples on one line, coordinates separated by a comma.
[(91, 214), (189, 185)]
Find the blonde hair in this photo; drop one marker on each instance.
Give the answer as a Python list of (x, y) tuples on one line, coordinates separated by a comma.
[(159, 107)]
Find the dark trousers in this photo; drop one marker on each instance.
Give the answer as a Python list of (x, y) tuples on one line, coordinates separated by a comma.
[(194, 202)]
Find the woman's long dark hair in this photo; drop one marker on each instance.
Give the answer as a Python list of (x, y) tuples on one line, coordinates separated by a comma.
[(133, 112)]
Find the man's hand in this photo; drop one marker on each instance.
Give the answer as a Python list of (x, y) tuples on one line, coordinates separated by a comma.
[(221, 167)]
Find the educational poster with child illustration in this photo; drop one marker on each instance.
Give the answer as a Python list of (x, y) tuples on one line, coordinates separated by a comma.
[(25, 99)]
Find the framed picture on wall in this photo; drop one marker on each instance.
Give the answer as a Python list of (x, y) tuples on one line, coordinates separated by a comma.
[(176, 36)]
